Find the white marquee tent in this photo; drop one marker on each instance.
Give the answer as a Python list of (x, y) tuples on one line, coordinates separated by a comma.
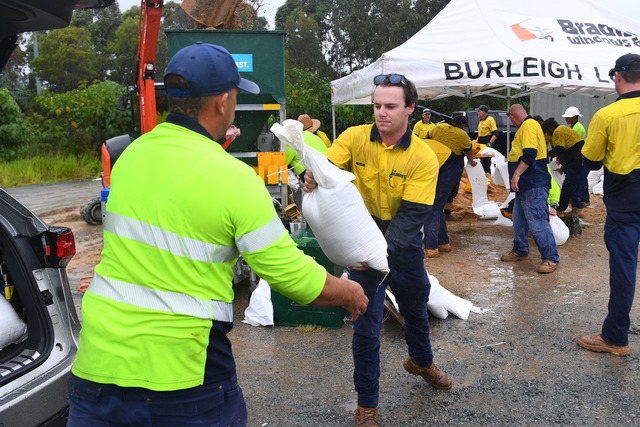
[(478, 47)]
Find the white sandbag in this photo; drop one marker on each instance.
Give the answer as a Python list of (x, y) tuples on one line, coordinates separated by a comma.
[(598, 188), (260, 310), (441, 297), (595, 180), (335, 210), (292, 180), (435, 305), (441, 302), (555, 166), (482, 207), (559, 229), (12, 328), (500, 175)]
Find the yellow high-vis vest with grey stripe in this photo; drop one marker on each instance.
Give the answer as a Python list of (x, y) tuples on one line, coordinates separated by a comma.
[(180, 212)]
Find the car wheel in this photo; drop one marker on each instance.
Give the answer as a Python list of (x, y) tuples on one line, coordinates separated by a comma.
[(92, 212)]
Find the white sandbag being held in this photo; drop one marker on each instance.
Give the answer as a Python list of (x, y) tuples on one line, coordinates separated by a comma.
[(335, 211)]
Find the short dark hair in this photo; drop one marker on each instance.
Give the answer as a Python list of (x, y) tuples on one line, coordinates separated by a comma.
[(187, 106), (483, 108), (630, 76), (459, 119), (549, 125)]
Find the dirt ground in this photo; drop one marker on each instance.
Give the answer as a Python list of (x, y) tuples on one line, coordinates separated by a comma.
[(517, 364)]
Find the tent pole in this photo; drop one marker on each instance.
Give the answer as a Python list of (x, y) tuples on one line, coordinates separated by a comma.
[(333, 119)]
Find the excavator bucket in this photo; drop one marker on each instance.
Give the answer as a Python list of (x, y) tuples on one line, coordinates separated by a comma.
[(212, 13)]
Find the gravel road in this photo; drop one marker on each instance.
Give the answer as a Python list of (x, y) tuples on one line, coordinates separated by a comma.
[(515, 365)]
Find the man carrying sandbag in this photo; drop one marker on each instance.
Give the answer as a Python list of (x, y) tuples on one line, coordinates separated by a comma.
[(396, 174)]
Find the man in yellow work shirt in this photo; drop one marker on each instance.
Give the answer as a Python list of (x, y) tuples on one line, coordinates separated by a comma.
[(614, 142), (396, 175), (423, 127), (453, 136), (567, 144), (487, 134), (530, 180)]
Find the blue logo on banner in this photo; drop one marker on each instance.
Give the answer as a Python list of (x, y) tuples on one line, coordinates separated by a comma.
[(244, 62)]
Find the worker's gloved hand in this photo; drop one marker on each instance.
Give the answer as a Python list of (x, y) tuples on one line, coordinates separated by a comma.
[(310, 183), (357, 301)]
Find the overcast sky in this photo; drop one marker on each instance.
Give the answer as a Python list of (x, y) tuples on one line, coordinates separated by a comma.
[(269, 10)]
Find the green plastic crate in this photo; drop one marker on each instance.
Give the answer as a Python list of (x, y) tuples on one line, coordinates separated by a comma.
[(287, 312)]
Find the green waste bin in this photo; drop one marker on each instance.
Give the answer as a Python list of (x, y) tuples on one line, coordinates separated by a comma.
[(287, 312)]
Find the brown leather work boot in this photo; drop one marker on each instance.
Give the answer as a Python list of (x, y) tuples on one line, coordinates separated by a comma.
[(596, 343), (512, 257), (547, 267), (444, 248), (367, 417), (431, 253), (436, 377)]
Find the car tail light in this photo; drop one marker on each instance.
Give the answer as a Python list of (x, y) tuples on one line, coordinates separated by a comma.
[(59, 246)]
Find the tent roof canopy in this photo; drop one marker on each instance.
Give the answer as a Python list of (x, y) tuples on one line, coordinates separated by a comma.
[(475, 47)]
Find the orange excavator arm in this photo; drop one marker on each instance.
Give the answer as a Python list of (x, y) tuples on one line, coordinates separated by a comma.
[(149, 26), (207, 14)]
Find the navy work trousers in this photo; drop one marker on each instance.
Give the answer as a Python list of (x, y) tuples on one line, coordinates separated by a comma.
[(622, 237), (107, 405), (409, 282), (435, 227)]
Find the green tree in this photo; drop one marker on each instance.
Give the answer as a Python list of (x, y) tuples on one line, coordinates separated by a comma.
[(102, 23), (303, 47), (67, 57), (123, 49), (15, 77), (14, 130)]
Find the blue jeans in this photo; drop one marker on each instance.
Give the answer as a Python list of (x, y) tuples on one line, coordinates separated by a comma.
[(622, 237), (409, 282), (435, 227), (531, 214), (107, 405)]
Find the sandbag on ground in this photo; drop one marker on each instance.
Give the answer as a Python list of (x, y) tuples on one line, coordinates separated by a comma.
[(442, 302), (260, 309)]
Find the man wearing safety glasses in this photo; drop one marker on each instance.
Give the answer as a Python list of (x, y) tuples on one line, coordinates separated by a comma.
[(396, 174)]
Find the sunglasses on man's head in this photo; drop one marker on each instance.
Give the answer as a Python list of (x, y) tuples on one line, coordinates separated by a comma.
[(394, 79)]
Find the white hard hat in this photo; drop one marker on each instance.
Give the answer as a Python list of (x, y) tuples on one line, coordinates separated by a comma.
[(572, 111)]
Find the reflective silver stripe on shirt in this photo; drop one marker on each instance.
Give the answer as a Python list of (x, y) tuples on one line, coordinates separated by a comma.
[(151, 235), (154, 299), (262, 237)]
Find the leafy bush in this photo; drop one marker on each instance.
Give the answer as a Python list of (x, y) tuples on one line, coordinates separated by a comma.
[(80, 121), (15, 132)]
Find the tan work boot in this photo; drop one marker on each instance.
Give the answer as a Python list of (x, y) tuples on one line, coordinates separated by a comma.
[(436, 377), (547, 267), (367, 417), (512, 257), (431, 253), (596, 343), (444, 248)]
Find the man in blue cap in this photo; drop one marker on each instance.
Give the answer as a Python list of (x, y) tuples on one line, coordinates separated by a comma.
[(153, 346)]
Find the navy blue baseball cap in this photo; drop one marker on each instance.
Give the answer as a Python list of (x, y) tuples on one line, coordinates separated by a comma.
[(628, 62), (208, 69)]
